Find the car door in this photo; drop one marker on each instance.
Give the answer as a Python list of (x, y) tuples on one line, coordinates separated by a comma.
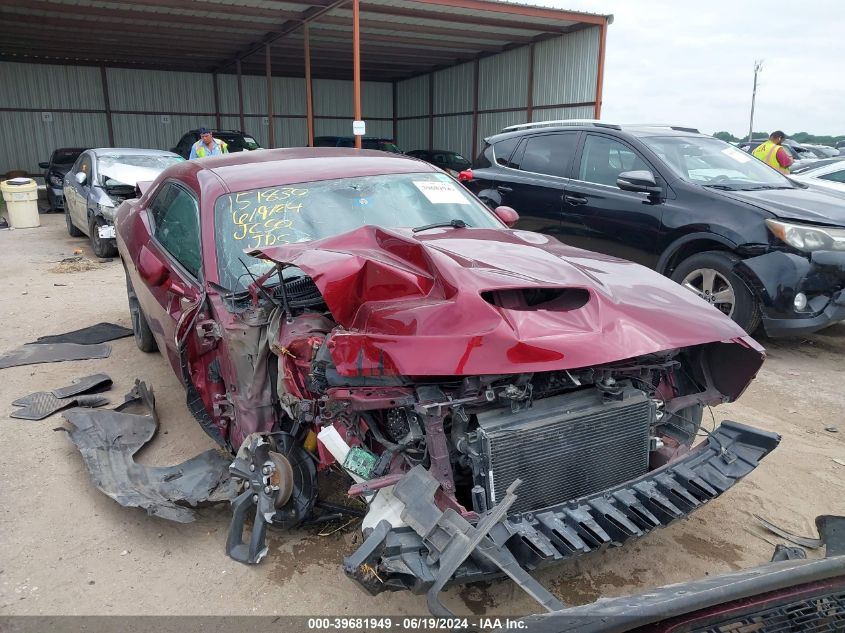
[(76, 194), (534, 180), (169, 264), (602, 217)]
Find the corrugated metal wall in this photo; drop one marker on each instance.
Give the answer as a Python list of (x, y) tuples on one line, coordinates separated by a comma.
[(153, 109), (57, 106), (565, 70)]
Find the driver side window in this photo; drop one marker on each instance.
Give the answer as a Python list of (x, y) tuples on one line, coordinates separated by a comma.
[(175, 215), (603, 159)]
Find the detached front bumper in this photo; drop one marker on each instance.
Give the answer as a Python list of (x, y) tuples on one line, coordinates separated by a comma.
[(417, 557), (777, 278)]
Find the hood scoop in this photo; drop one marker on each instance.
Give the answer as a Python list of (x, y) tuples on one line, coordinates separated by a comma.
[(538, 298)]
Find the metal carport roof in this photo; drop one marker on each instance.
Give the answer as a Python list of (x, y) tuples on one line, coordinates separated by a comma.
[(399, 38)]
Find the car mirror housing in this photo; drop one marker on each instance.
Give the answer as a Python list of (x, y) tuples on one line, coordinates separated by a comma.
[(44, 164), (507, 215), (640, 181), (81, 177)]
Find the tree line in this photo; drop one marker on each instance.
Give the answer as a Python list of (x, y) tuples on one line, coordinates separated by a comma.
[(800, 137)]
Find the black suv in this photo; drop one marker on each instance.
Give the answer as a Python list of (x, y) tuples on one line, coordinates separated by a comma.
[(236, 141), (750, 241)]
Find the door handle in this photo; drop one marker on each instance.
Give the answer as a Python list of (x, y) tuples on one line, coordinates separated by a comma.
[(504, 189), (574, 199)]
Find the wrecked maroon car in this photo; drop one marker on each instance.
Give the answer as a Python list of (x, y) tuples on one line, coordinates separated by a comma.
[(500, 401)]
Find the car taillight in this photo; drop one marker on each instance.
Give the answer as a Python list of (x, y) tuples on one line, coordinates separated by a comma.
[(465, 175)]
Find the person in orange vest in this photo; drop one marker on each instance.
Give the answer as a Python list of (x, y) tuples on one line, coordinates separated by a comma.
[(772, 153), (208, 146)]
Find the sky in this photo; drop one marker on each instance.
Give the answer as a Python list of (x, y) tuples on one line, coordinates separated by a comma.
[(692, 63)]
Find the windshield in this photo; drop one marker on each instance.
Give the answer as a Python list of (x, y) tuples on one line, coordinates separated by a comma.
[(277, 215), (711, 162), (129, 169)]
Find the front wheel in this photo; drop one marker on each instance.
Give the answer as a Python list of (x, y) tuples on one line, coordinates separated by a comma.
[(710, 275), (102, 247)]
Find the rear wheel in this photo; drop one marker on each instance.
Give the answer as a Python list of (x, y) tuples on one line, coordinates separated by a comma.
[(710, 275), (143, 335), (71, 228), (102, 247)]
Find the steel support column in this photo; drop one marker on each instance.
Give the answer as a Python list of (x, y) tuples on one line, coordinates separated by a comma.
[(216, 101), (271, 133), (106, 105), (600, 73), (474, 146), (240, 95), (356, 63), (430, 110), (309, 99), (395, 118), (529, 100)]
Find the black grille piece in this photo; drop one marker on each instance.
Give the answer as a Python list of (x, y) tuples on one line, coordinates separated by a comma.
[(566, 447), (817, 614)]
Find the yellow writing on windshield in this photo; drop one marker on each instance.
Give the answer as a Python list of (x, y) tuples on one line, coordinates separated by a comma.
[(266, 217)]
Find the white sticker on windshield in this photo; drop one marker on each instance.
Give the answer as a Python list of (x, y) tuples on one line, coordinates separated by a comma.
[(441, 192), (737, 155)]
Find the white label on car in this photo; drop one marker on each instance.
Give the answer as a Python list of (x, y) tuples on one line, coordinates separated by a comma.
[(105, 232), (441, 192), (737, 155)]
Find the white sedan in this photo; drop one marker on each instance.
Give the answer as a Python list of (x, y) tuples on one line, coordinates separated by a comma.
[(830, 175)]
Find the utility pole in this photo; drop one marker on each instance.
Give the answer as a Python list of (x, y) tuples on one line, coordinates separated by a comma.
[(758, 67)]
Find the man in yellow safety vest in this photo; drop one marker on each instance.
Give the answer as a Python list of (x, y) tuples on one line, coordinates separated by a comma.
[(772, 153), (208, 146)]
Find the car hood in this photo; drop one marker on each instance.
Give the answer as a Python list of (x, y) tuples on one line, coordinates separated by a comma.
[(129, 174), (809, 205), (421, 304), (59, 169)]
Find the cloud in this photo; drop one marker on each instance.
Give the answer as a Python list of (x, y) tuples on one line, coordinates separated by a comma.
[(692, 63)]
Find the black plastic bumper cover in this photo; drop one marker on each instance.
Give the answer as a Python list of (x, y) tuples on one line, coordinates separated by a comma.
[(777, 277), (396, 558)]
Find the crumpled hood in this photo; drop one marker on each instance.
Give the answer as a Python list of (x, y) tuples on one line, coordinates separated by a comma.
[(129, 174), (420, 304), (809, 205)]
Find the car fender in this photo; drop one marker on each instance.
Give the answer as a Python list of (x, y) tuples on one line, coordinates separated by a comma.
[(675, 246)]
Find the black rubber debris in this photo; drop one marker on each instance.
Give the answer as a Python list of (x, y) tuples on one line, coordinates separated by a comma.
[(37, 406), (52, 353), (87, 384), (108, 440), (91, 335)]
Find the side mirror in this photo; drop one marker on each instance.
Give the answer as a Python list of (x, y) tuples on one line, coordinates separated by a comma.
[(44, 164), (151, 268), (81, 177), (641, 181), (507, 215)]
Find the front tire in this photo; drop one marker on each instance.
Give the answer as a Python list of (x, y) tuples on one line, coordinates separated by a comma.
[(103, 248), (140, 328), (710, 275)]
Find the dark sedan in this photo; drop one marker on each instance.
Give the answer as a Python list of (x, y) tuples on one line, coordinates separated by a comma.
[(61, 160), (361, 311), (448, 161)]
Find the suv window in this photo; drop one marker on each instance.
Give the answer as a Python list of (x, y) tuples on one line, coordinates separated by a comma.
[(603, 159), (504, 149), (549, 154), (176, 219)]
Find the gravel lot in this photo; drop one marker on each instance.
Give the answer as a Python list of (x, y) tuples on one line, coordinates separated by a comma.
[(68, 549)]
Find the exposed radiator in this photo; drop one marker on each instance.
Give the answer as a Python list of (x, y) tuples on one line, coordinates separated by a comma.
[(565, 447)]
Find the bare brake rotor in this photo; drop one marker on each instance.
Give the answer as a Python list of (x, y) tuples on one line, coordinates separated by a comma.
[(282, 486)]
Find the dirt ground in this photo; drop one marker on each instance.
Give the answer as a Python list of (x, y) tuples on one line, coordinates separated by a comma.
[(68, 549)]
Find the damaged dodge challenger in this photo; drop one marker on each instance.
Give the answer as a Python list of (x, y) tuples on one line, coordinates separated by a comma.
[(496, 400)]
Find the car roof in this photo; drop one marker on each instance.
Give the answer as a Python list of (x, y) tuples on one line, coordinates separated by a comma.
[(639, 130), (246, 170)]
